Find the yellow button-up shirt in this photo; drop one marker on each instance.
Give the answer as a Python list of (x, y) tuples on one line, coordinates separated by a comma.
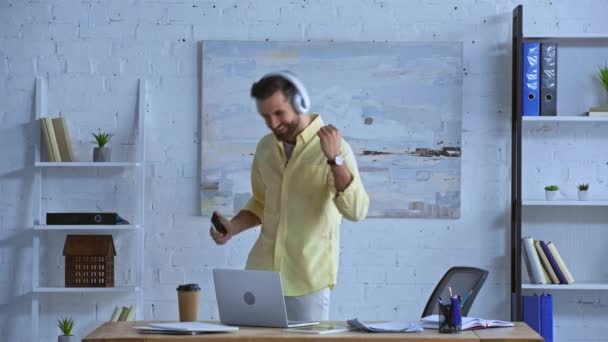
[(300, 211)]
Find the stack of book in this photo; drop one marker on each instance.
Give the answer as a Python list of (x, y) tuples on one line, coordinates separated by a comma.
[(544, 263), (55, 142), (123, 314)]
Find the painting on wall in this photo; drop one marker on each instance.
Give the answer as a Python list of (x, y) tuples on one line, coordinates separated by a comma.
[(399, 105)]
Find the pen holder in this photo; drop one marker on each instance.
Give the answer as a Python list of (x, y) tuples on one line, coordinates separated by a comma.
[(450, 321)]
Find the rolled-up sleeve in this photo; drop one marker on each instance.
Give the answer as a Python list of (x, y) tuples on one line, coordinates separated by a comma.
[(353, 202), (255, 204)]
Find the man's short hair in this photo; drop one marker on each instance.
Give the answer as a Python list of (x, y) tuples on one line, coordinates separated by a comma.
[(267, 86)]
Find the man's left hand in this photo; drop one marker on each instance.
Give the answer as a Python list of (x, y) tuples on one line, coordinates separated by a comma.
[(330, 141)]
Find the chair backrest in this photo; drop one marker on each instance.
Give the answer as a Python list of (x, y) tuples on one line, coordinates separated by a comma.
[(461, 280)]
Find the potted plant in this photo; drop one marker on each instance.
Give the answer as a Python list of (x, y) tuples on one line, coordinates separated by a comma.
[(551, 192), (603, 76), (101, 153), (66, 325), (583, 193)]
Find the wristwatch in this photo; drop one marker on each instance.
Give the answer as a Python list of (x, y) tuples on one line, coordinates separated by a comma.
[(338, 160)]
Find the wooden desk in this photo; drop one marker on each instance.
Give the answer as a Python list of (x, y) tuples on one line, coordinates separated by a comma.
[(123, 332)]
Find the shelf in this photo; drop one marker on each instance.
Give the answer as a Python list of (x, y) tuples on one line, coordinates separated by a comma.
[(564, 39), (95, 227), (573, 203), (87, 164), (575, 286), (565, 118), (125, 289)]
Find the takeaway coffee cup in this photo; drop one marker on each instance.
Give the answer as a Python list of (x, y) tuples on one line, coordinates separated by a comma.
[(188, 296)]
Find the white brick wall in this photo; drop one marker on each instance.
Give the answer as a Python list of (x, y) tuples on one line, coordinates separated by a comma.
[(92, 52)]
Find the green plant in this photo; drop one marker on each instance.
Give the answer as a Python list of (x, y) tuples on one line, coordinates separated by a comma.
[(551, 188), (101, 138), (65, 325), (583, 187), (603, 76)]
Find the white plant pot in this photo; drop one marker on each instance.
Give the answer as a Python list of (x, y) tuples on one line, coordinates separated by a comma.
[(63, 338), (583, 195), (551, 195)]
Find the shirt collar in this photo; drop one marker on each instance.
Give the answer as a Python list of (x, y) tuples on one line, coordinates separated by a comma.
[(313, 128), (310, 131)]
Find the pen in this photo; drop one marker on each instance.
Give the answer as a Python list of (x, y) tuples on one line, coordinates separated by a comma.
[(450, 288), (466, 298), (440, 300)]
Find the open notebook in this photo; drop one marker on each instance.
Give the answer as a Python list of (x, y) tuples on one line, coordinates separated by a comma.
[(468, 323)]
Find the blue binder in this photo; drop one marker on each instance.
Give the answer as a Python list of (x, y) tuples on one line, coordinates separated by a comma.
[(546, 317), (531, 79), (531, 312)]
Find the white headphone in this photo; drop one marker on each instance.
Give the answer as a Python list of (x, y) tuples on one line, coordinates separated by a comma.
[(301, 101)]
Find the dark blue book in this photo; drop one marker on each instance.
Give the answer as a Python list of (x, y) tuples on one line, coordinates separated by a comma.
[(554, 265)]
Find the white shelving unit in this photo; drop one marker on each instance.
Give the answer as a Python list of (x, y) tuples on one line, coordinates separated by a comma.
[(86, 164), (575, 286), (41, 229), (573, 203), (565, 118)]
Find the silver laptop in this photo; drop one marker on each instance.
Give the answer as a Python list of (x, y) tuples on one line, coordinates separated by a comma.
[(252, 298)]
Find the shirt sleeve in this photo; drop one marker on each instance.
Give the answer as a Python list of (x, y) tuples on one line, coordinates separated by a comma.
[(353, 202), (255, 204)]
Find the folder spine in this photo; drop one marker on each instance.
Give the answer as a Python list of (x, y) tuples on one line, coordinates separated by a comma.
[(546, 317), (548, 79), (531, 79)]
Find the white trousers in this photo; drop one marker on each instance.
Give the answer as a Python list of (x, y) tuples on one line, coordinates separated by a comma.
[(310, 307)]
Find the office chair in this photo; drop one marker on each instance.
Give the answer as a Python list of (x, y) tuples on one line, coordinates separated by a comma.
[(461, 280)]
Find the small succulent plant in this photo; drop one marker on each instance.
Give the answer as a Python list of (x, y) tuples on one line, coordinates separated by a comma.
[(66, 325), (101, 138), (551, 188), (583, 187)]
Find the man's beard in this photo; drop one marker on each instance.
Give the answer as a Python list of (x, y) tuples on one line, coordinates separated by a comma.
[(290, 131)]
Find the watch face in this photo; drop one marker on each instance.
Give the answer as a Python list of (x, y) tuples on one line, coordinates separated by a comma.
[(339, 160)]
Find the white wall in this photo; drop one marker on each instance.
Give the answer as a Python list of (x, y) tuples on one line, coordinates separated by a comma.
[(92, 53)]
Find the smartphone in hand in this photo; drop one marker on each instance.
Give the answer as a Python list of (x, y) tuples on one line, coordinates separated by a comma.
[(215, 219)]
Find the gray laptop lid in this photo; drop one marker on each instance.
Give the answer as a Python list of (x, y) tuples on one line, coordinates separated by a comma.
[(253, 298)]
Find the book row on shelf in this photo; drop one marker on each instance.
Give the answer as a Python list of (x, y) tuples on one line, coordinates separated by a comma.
[(544, 263), (124, 313), (540, 81)]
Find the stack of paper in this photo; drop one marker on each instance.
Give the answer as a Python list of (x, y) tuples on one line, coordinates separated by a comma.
[(384, 326), (184, 328)]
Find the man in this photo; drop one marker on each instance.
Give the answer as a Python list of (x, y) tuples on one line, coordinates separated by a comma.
[(304, 180)]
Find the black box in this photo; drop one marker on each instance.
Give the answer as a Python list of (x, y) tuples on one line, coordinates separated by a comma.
[(81, 218)]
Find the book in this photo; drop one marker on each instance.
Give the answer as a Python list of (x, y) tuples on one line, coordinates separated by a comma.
[(560, 262), (45, 143), (598, 111), (55, 156), (123, 314), (545, 262), (535, 268), (130, 313), (468, 323), (115, 314), (63, 139), (320, 329), (554, 265)]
